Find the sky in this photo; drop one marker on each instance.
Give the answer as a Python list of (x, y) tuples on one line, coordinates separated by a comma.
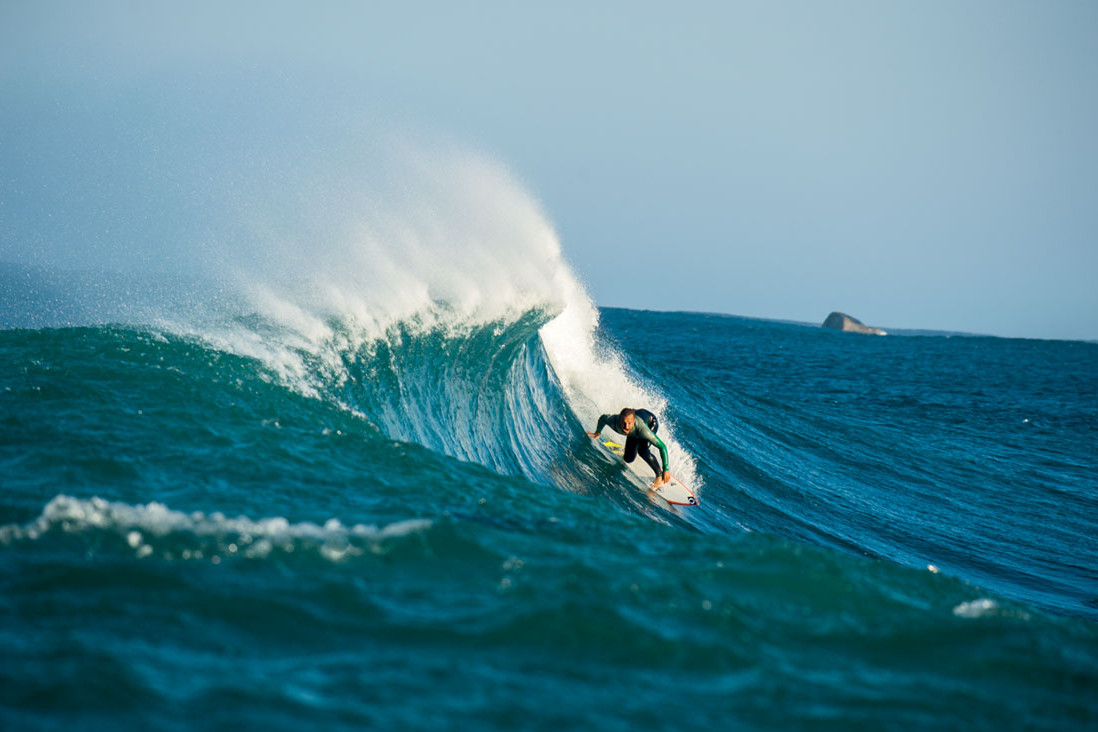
[(926, 165)]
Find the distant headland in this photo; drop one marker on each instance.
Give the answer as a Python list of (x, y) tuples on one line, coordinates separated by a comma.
[(842, 321)]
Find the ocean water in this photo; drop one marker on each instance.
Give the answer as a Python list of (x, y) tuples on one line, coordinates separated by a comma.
[(343, 493)]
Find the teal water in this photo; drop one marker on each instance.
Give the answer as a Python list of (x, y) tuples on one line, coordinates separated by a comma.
[(413, 531), (292, 425)]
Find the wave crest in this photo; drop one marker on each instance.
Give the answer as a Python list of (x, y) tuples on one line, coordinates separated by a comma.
[(419, 287)]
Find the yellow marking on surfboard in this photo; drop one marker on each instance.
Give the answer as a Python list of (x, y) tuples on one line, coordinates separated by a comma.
[(614, 447)]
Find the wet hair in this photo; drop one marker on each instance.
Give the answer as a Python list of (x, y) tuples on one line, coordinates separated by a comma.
[(626, 412)]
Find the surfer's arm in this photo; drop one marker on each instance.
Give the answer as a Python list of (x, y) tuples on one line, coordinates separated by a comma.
[(663, 456), (603, 421)]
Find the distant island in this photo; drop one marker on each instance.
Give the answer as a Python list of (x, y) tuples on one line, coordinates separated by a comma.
[(842, 321)]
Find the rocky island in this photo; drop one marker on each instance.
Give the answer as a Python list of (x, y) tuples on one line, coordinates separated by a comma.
[(842, 321)]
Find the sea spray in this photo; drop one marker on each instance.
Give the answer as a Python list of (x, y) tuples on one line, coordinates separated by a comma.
[(327, 255)]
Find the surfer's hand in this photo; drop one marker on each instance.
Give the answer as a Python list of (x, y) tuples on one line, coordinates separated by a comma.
[(593, 434), (666, 477)]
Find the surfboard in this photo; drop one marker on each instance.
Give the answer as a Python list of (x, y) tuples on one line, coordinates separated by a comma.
[(675, 492)]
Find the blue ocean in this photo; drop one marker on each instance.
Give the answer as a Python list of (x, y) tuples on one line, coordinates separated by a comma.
[(345, 484)]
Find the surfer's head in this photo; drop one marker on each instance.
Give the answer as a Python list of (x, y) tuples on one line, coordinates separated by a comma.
[(628, 418)]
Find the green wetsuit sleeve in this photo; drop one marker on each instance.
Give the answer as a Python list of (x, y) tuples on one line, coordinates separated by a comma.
[(604, 421), (642, 430)]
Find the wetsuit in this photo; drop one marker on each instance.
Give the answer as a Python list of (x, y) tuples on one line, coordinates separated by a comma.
[(640, 439)]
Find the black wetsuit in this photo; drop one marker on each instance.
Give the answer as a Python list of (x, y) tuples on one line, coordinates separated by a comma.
[(638, 442)]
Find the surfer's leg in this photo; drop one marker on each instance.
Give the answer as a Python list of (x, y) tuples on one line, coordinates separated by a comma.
[(631, 448), (649, 457)]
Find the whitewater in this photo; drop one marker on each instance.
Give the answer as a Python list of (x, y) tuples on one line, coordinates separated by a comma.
[(320, 460)]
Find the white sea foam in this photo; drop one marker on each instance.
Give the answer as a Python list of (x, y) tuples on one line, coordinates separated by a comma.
[(986, 607), (154, 529), (976, 608)]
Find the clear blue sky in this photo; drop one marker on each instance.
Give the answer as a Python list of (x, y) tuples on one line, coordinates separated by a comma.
[(916, 164)]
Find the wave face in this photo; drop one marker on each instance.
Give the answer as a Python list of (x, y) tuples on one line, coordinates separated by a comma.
[(336, 471)]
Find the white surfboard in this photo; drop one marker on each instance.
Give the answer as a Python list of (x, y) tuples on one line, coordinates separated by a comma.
[(675, 492)]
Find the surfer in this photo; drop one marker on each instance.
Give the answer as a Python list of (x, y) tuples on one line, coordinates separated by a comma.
[(639, 427)]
